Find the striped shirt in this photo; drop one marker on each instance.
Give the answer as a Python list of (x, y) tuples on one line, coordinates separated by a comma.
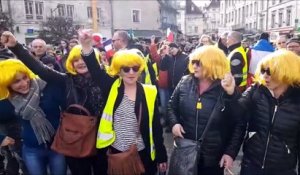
[(126, 126)]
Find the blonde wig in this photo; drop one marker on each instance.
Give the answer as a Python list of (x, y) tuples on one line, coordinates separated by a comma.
[(75, 54), (214, 64), (125, 58), (9, 68), (284, 67)]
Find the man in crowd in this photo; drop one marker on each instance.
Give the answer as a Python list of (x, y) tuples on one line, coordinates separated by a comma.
[(120, 40), (238, 59), (222, 42), (39, 49), (281, 42), (294, 45)]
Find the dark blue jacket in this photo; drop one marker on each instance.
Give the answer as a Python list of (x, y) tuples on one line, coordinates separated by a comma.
[(7, 111), (51, 99)]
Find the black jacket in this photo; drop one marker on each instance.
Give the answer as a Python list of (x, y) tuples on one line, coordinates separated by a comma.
[(272, 145), (177, 67), (236, 64), (223, 136), (74, 93)]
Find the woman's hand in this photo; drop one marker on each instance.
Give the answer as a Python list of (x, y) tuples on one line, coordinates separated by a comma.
[(178, 130), (8, 39), (85, 37), (226, 161), (7, 141), (228, 84), (162, 167)]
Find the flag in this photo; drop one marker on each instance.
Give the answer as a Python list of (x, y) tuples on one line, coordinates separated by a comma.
[(108, 48), (170, 35)]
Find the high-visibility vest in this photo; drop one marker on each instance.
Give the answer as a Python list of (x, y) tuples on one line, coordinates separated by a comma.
[(147, 73), (106, 134), (241, 50), (155, 68)]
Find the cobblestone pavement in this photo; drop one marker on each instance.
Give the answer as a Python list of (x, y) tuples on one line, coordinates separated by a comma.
[(169, 146)]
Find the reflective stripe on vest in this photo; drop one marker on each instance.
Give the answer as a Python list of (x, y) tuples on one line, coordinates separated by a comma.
[(106, 135), (245, 68)]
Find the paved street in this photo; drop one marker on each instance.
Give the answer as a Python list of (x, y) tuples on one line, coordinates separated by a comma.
[(169, 145)]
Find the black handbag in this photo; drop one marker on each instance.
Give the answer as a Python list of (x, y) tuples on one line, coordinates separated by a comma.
[(185, 155)]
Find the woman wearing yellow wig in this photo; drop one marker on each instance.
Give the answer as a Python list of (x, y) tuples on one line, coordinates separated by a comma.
[(272, 105), (40, 115), (196, 99), (130, 116), (79, 88)]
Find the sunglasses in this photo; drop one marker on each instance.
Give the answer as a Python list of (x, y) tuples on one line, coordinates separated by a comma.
[(267, 71), (197, 62), (126, 69)]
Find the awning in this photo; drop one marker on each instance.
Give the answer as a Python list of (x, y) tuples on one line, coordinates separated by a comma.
[(146, 33)]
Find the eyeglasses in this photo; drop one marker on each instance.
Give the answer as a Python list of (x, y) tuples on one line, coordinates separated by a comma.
[(197, 62), (267, 71), (126, 69)]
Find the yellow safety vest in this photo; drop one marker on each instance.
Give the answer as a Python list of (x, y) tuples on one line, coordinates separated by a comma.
[(147, 73), (106, 135), (154, 65), (245, 68)]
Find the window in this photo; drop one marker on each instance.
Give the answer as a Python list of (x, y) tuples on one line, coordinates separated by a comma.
[(136, 16), (262, 5), (261, 22), (29, 9), (70, 11), (239, 16), (280, 17), (99, 13), (273, 19), (273, 2), (288, 16), (247, 9), (196, 29), (251, 10), (255, 25), (39, 8), (250, 25), (89, 12), (1, 6), (61, 9)]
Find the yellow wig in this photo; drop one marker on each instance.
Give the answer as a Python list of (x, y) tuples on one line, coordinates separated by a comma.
[(284, 68), (214, 64), (75, 54), (9, 68), (125, 58)]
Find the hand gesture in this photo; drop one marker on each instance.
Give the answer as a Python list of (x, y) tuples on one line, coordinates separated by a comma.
[(7, 141), (226, 162), (85, 37), (152, 39), (162, 167), (228, 84), (177, 130), (8, 39)]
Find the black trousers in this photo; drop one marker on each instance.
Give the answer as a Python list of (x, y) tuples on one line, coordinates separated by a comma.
[(94, 165)]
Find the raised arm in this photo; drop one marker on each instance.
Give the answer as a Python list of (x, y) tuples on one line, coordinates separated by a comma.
[(43, 71), (98, 73)]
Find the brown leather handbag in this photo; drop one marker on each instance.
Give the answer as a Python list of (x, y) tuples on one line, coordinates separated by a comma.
[(128, 162), (76, 135)]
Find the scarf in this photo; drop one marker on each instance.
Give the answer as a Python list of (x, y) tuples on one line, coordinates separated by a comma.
[(27, 106)]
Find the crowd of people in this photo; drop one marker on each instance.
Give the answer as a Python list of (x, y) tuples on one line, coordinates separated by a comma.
[(224, 95)]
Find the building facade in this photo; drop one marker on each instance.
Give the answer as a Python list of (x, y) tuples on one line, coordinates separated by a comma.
[(145, 18), (212, 16), (254, 16), (194, 20)]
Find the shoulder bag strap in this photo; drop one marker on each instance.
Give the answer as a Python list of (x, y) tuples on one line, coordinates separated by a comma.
[(209, 120)]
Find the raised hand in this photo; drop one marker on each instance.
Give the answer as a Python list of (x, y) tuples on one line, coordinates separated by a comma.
[(8, 39), (228, 84), (85, 37)]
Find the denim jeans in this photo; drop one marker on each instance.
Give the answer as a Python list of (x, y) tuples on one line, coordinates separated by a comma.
[(38, 160), (254, 170)]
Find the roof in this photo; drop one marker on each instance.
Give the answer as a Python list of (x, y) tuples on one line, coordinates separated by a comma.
[(214, 4), (191, 8)]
